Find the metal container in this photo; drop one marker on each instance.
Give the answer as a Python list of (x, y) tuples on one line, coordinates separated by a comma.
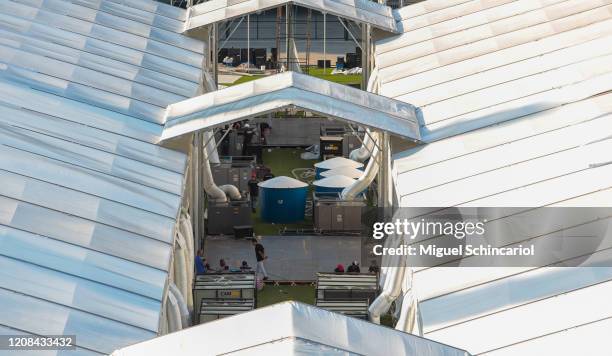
[(223, 217), (335, 162), (237, 175), (282, 200), (330, 213)]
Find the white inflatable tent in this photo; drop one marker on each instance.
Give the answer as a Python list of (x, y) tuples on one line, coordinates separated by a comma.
[(290, 328), (516, 105)]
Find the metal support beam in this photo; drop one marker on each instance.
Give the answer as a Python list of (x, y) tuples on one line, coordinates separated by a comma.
[(366, 49), (214, 42), (350, 33), (231, 34), (288, 34), (248, 42), (196, 189), (324, 40), (385, 180)]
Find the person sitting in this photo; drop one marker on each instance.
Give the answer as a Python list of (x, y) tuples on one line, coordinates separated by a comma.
[(200, 262), (245, 266), (223, 266), (354, 268), (374, 267), (339, 268)]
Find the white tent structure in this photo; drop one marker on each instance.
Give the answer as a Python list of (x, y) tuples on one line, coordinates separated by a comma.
[(362, 11), (89, 203), (289, 328), (517, 111), (514, 109), (291, 89), (93, 226)]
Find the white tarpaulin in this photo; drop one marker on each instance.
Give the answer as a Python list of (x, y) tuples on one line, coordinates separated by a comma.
[(363, 11), (517, 112), (88, 202), (291, 89), (290, 328)]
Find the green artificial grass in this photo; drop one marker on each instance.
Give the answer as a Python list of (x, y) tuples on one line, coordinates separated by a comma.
[(283, 160), (276, 294), (243, 79), (351, 79)]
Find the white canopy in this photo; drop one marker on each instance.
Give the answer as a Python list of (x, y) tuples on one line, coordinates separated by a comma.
[(88, 202), (364, 11), (516, 101), (289, 328), (291, 89), (343, 171), (282, 182), (337, 181), (338, 162)]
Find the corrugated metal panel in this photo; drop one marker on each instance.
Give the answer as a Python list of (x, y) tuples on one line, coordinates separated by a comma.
[(88, 202), (516, 105)]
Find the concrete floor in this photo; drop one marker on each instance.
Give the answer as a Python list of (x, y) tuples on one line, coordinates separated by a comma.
[(290, 258)]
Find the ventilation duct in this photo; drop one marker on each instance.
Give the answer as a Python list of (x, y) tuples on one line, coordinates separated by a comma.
[(352, 191)]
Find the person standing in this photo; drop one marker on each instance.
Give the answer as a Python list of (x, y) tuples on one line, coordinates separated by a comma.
[(253, 191), (260, 254)]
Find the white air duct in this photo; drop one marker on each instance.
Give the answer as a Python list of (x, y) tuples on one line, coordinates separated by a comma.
[(181, 265), (362, 153), (212, 190), (393, 271), (211, 147), (215, 193), (410, 317), (390, 292), (182, 306), (231, 191), (350, 192), (186, 229), (173, 313)]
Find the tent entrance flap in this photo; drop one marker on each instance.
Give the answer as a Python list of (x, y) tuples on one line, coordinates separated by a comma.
[(291, 89)]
